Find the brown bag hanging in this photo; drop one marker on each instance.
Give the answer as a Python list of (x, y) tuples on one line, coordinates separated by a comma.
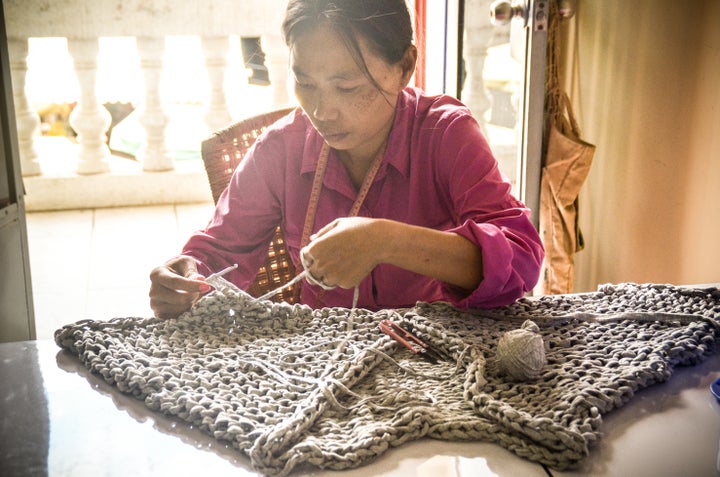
[(565, 167)]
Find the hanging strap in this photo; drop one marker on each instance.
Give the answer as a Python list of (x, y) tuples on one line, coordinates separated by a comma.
[(559, 109)]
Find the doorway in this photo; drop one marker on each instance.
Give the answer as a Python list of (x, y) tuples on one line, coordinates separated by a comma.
[(492, 56)]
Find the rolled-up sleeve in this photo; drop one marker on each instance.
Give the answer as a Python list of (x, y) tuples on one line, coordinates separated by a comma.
[(489, 217), (511, 258)]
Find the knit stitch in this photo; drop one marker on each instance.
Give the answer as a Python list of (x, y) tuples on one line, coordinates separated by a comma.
[(290, 386)]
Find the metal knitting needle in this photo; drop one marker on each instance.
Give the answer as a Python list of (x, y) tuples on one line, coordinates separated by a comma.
[(297, 278), (222, 272)]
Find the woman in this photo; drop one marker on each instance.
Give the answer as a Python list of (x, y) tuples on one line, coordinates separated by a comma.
[(433, 220)]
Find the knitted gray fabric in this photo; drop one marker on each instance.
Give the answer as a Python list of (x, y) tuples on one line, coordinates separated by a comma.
[(292, 386)]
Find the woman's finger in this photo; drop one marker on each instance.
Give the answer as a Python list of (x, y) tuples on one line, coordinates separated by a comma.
[(325, 229)]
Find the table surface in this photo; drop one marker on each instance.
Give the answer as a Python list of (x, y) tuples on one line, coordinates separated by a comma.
[(59, 419)]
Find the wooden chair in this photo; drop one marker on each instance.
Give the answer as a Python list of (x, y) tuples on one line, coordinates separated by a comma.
[(221, 153)]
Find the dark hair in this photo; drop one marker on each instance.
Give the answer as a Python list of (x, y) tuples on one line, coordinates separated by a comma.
[(385, 24)]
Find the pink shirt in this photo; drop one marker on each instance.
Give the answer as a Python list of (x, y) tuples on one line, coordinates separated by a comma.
[(438, 172)]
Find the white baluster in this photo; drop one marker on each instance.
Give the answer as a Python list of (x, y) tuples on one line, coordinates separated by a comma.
[(215, 50), (478, 34), (26, 118), (154, 155), (89, 118), (277, 60)]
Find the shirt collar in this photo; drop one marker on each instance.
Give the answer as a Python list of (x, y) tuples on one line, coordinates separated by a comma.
[(312, 147)]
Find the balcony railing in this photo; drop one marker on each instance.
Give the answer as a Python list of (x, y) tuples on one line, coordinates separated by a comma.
[(83, 24), (100, 179)]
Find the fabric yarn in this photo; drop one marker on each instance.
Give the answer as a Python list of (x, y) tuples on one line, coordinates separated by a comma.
[(521, 353), (290, 386)]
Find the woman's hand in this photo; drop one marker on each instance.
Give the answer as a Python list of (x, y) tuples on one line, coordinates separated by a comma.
[(175, 286), (344, 252)]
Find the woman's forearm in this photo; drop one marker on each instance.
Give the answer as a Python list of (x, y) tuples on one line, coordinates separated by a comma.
[(445, 256)]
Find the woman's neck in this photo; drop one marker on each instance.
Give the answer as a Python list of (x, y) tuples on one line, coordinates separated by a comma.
[(357, 165), (358, 161)]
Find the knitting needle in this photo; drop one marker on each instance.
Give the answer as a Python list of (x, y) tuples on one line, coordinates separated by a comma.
[(297, 278), (222, 272)]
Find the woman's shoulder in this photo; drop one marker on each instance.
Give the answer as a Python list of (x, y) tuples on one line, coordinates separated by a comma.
[(435, 118), (438, 107), (293, 121), (286, 144), (289, 132)]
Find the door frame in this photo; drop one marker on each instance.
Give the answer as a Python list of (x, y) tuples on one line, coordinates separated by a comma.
[(17, 317)]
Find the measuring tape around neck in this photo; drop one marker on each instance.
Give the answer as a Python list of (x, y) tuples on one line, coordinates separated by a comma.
[(315, 197), (317, 188)]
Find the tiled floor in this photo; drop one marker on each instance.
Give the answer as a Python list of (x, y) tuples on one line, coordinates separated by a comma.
[(95, 263)]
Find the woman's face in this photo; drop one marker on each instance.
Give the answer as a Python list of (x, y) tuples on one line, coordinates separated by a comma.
[(345, 107)]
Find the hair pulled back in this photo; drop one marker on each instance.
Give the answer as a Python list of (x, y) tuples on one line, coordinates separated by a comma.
[(384, 24)]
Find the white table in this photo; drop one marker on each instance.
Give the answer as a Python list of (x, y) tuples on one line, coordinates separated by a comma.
[(58, 419)]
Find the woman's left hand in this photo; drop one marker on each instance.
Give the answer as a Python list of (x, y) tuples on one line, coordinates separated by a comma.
[(344, 252)]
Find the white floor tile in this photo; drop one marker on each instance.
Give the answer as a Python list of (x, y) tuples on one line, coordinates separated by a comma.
[(119, 303), (75, 223), (54, 310), (128, 242), (192, 217), (58, 245)]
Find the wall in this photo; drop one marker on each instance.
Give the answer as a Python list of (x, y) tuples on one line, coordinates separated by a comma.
[(646, 90)]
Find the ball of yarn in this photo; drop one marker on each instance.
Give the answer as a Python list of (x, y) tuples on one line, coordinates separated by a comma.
[(521, 353)]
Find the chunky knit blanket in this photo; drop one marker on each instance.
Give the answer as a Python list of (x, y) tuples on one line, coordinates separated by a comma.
[(289, 386)]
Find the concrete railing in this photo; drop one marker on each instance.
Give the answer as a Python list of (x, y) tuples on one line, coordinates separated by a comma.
[(83, 23)]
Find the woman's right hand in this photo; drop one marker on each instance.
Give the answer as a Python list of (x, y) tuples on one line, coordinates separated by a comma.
[(175, 286)]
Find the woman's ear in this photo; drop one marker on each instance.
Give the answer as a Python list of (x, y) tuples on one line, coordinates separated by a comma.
[(407, 63)]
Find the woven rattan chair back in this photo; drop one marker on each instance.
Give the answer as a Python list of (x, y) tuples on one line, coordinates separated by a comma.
[(221, 153)]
